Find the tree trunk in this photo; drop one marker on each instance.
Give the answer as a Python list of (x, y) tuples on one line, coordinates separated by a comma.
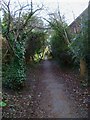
[(83, 69)]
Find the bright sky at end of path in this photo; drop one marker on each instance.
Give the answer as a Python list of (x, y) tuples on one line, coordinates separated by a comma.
[(69, 8)]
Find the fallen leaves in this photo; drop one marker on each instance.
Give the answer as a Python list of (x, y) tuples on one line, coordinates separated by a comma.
[(26, 102)]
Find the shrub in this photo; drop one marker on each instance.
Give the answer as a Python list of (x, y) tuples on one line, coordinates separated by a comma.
[(14, 75)]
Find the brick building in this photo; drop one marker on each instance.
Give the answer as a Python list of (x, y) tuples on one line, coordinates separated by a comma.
[(76, 25)]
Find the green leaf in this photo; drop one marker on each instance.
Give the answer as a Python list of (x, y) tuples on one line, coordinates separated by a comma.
[(2, 104)]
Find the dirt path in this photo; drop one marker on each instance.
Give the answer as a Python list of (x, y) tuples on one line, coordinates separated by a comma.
[(47, 95), (54, 100)]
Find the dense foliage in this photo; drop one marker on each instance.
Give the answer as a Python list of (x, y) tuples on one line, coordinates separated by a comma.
[(59, 42), (79, 44), (35, 46), (13, 61), (79, 50), (17, 27)]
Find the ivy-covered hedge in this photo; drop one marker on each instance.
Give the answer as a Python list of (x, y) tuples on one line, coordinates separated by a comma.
[(14, 75)]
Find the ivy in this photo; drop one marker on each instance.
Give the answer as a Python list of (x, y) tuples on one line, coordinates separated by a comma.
[(14, 76), (78, 46)]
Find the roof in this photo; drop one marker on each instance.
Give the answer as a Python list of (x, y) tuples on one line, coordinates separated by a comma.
[(84, 13)]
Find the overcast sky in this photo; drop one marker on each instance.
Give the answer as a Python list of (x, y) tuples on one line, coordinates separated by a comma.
[(68, 8)]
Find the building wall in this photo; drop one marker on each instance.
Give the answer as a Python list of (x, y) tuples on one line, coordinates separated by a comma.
[(75, 26)]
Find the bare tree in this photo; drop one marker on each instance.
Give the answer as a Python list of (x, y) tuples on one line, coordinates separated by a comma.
[(15, 20), (57, 18)]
